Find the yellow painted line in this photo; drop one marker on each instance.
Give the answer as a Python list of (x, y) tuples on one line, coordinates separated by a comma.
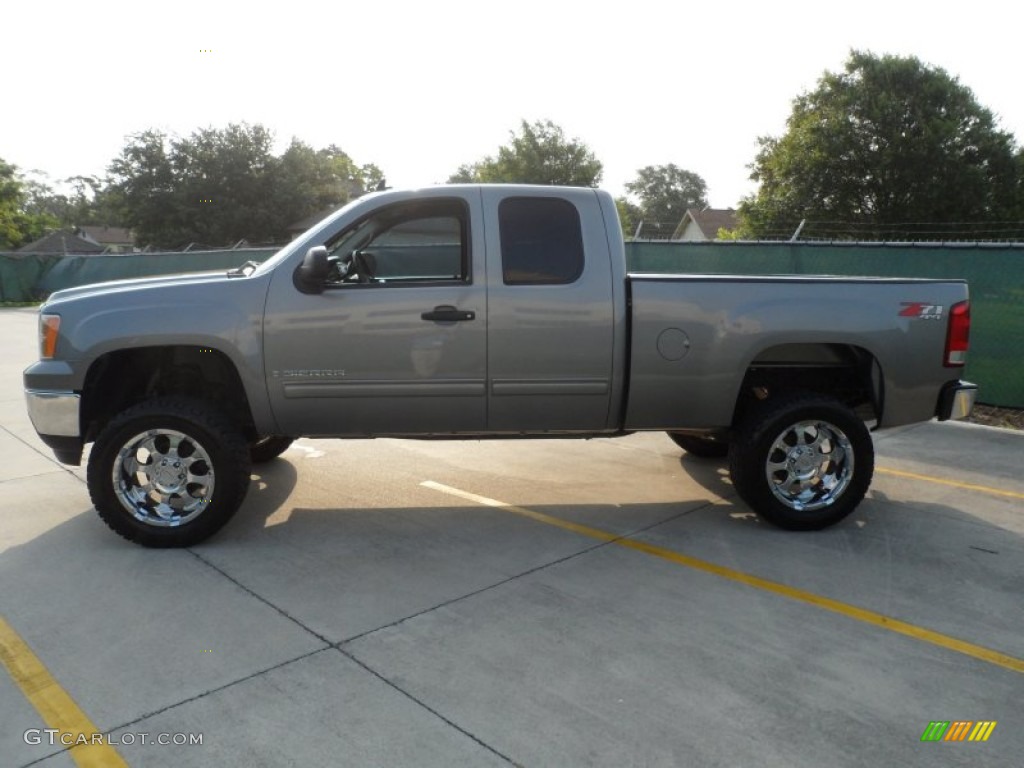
[(793, 593), (53, 703), (951, 483)]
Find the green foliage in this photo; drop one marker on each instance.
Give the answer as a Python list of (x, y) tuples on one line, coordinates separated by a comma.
[(219, 186), (11, 198), (665, 192), (310, 181), (18, 224), (886, 140), (87, 202), (539, 154), (629, 215)]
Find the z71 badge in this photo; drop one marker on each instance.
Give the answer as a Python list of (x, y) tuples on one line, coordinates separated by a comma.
[(921, 310)]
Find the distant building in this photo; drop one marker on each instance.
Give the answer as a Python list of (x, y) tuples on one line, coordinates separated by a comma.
[(83, 240), (114, 239), (64, 241), (704, 225)]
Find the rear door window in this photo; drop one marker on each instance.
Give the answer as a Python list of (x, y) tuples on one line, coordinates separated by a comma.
[(541, 241)]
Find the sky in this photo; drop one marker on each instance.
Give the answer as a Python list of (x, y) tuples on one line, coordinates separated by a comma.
[(419, 88)]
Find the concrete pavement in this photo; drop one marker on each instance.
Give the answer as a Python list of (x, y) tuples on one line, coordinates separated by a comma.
[(351, 615)]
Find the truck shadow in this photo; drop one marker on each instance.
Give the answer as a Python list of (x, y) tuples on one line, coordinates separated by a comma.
[(710, 474), (356, 569), (341, 572)]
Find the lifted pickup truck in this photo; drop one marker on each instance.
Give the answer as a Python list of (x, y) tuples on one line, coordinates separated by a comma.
[(483, 311)]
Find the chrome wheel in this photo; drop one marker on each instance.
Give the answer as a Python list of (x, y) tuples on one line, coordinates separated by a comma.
[(809, 465), (163, 478)]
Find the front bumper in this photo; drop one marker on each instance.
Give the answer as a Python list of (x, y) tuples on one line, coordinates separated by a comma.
[(956, 401), (55, 416)]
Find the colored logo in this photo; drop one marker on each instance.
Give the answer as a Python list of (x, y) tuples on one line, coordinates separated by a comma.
[(920, 310), (958, 730)]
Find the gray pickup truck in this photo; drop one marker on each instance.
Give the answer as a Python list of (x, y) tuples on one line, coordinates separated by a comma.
[(483, 311)]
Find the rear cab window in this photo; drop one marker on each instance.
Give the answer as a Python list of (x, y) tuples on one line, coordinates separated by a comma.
[(541, 241)]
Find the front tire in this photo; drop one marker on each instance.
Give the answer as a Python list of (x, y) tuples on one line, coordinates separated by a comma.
[(168, 472), (802, 463), (268, 448)]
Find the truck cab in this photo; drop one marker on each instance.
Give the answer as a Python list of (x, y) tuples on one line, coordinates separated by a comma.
[(455, 311)]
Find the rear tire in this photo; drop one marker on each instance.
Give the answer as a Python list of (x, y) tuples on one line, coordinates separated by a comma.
[(703, 447), (268, 448), (802, 463), (168, 472)]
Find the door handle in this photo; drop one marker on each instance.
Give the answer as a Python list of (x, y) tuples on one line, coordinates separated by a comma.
[(446, 313)]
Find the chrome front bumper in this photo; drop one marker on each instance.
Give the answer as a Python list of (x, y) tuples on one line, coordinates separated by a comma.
[(53, 413)]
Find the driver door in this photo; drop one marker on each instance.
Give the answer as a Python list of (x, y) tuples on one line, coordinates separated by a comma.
[(396, 343)]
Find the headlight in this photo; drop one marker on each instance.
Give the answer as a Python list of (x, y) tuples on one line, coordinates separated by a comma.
[(49, 328)]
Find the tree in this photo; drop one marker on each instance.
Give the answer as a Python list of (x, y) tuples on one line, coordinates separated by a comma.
[(539, 154), (629, 215), (219, 186), (1019, 198), (888, 140), (143, 180), (310, 181), (665, 193), (18, 226), (86, 202)]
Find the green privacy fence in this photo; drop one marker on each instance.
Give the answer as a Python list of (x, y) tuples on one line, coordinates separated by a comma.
[(995, 274), (33, 276)]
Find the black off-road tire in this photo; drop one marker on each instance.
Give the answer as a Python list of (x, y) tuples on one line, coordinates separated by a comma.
[(201, 433), (269, 448), (702, 447), (769, 439)]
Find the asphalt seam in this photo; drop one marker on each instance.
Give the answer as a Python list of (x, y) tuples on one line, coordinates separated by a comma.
[(189, 700), (398, 689), (350, 654), (898, 626), (49, 458), (327, 643), (474, 593), (28, 477), (328, 646), (521, 575)]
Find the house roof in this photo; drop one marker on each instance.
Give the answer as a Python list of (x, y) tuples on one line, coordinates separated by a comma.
[(108, 235), (62, 241), (708, 221)]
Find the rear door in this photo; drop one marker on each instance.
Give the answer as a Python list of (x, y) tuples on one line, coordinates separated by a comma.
[(550, 311)]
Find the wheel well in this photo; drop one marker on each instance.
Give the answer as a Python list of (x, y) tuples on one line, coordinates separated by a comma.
[(119, 380), (847, 372)]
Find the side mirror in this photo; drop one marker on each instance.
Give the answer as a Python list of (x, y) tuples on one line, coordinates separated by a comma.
[(312, 272)]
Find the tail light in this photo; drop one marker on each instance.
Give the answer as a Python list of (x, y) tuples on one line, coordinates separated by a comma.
[(958, 335)]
